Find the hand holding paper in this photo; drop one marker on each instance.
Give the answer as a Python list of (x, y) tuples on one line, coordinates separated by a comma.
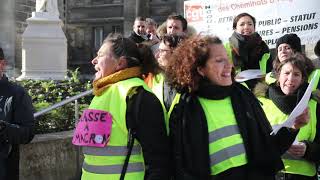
[(302, 119)]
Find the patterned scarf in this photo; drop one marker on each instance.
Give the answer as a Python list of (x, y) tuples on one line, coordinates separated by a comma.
[(247, 51)]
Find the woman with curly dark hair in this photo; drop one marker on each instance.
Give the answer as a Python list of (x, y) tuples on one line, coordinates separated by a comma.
[(218, 129)]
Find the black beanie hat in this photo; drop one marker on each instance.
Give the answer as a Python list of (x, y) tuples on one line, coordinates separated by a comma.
[(1, 54), (292, 39)]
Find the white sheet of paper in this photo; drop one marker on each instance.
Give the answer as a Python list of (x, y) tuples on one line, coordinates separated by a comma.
[(249, 74), (302, 105)]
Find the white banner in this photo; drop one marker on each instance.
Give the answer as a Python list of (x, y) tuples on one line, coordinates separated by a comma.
[(274, 18)]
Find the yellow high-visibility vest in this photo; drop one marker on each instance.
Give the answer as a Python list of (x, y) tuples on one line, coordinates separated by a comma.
[(106, 163), (157, 89), (226, 146), (294, 165)]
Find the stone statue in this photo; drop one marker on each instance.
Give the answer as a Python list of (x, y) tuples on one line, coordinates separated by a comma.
[(50, 6)]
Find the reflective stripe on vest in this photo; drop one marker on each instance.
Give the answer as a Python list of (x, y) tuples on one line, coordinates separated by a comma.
[(226, 146), (111, 150), (226, 154), (112, 169), (157, 89), (223, 132), (276, 116), (106, 163)]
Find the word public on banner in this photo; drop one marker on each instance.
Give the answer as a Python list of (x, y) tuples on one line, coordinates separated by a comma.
[(274, 18)]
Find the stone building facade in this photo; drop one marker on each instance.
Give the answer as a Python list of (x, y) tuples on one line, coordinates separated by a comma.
[(85, 22), (90, 21)]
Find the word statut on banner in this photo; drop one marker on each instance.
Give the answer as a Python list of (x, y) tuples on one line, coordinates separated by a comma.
[(274, 18)]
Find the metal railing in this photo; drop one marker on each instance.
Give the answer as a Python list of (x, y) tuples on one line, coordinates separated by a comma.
[(76, 116), (59, 104)]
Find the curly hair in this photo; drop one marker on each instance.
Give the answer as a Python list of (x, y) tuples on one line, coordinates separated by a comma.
[(192, 53)]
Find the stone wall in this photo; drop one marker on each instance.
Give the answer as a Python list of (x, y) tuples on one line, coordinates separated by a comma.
[(50, 157)]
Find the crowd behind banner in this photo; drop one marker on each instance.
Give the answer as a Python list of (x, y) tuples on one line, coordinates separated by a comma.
[(168, 105)]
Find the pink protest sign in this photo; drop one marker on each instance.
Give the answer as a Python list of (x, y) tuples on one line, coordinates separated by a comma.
[(93, 128)]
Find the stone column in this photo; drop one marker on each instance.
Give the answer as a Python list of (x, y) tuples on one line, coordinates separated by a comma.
[(8, 33), (44, 48)]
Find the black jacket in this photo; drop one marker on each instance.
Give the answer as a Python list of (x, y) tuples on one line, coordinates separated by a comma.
[(145, 115), (136, 38), (17, 121), (189, 136)]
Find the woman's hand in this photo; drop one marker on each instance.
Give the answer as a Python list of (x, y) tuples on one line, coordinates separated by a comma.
[(302, 119), (298, 150)]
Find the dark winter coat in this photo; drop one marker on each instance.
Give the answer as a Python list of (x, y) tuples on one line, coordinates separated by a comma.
[(136, 38), (17, 126)]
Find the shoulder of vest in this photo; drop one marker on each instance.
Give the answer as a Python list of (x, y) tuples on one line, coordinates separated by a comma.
[(266, 57)]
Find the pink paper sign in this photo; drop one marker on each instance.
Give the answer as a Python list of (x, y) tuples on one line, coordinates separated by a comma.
[(93, 128)]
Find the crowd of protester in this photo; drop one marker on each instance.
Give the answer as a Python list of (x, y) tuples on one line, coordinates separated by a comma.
[(167, 106)]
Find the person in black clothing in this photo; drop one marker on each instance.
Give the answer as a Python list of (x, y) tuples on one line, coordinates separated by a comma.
[(218, 129), (16, 123), (138, 35), (246, 47)]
